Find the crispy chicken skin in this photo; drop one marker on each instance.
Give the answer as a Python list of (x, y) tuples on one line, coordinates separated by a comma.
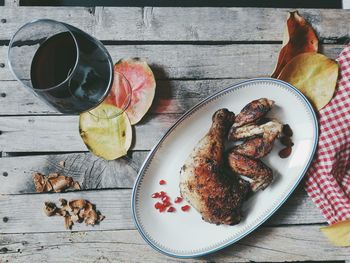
[(203, 183), (260, 173), (253, 111), (255, 148), (272, 127), (244, 158), (259, 147)]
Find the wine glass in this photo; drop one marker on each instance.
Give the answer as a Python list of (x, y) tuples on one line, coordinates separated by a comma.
[(69, 69)]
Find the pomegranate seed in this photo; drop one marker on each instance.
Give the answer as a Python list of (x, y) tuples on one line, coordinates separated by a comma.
[(171, 209), (155, 195), (178, 200), (185, 208), (166, 203), (165, 198), (158, 205), (162, 193), (162, 182), (162, 209)]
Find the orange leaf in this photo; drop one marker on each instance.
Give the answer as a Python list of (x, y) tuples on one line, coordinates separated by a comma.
[(299, 37), (143, 85)]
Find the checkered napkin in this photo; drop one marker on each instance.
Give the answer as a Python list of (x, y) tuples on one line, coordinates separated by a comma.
[(328, 179)]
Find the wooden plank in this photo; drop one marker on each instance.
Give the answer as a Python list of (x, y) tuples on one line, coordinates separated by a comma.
[(90, 171), (11, 3), (268, 244), (172, 96), (25, 212), (198, 61), (61, 133), (180, 24)]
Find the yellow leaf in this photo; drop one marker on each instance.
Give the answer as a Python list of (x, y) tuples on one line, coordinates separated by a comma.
[(109, 138), (314, 75), (338, 234)]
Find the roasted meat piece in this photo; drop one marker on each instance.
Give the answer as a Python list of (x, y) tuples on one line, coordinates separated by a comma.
[(260, 146), (260, 173), (253, 111), (255, 148), (270, 128), (203, 182)]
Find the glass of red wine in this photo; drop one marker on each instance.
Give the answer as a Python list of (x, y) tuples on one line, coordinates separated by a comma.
[(65, 66)]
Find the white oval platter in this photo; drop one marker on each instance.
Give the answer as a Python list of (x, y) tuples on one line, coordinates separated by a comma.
[(185, 234)]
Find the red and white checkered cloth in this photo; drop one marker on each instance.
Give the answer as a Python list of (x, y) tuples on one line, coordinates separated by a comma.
[(328, 179)]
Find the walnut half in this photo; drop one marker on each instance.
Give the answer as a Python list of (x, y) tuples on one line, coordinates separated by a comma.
[(53, 182), (78, 210)]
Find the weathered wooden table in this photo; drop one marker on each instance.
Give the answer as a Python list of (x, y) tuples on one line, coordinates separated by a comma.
[(193, 52)]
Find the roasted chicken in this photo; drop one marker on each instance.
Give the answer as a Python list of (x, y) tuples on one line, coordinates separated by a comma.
[(258, 147), (244, 159), (272, 127), (255, 169), (203, 182), (253, 111)]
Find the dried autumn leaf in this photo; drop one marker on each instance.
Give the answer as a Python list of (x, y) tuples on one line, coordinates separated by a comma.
[(143, 85), (109, 138), (299, 37), (338, 233), (314, 75)]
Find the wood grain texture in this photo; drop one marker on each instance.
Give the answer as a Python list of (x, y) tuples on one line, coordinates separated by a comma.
[(198, 61), (267, 244), (61, 133), (212, 48), (180, 24), (172, 96), (90, 171), (11, 3), (25, 212)]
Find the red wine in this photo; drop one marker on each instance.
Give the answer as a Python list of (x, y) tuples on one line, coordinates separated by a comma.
[(73, 80), (53, 61)]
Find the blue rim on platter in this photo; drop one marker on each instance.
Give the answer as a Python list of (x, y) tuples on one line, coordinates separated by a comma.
[(189, 112)]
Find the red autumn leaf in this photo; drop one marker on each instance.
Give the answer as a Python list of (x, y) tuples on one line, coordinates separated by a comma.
[(143, 85), (299, 37)]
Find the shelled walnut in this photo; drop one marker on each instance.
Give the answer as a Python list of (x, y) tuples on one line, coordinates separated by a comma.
[(78, 210), (53, 182)]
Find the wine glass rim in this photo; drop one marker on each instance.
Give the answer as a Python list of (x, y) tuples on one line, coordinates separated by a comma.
[(51, 21), (125, 106)]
